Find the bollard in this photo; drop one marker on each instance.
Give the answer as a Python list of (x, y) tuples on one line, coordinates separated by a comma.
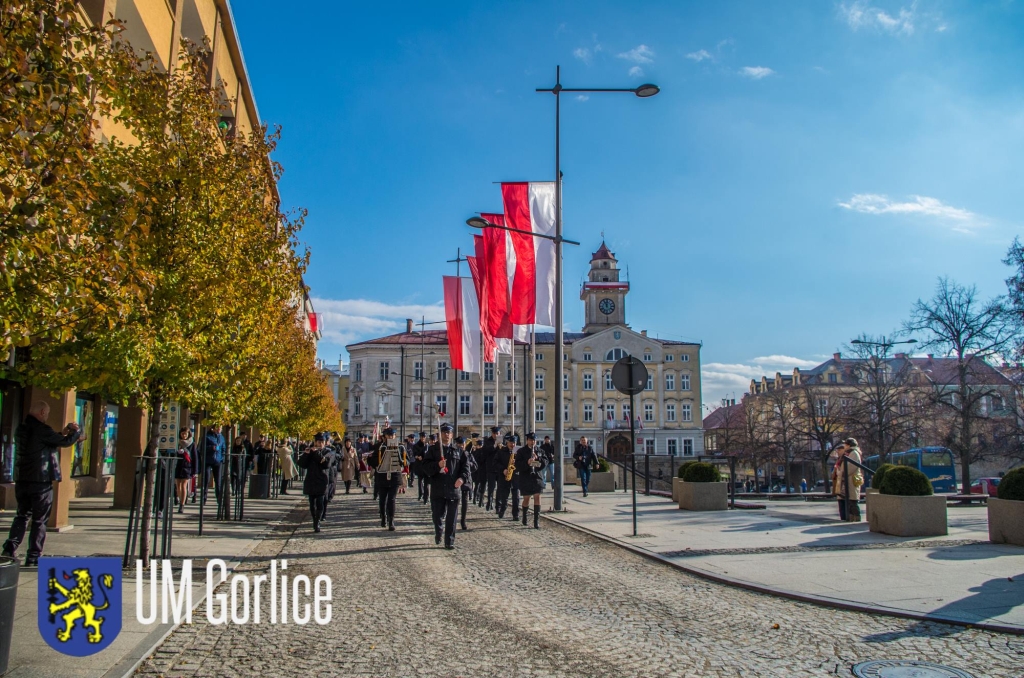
[(8, 596)]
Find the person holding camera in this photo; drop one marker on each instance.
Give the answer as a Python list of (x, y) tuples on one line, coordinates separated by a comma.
[(38, 467), (318, 461), (584, 461)]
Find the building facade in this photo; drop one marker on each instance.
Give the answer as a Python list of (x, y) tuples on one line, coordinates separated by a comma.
[(405, 377)]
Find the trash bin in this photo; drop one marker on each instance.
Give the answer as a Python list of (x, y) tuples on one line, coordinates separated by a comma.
[(8, 594), (259, 486)]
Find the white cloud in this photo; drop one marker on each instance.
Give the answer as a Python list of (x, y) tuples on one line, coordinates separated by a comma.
[(756, 72), (861, 14), (732, 380), (583, 54), (873, 203), (346, 321), (641, 54), (582, 97), (699, 55), (636, 72)]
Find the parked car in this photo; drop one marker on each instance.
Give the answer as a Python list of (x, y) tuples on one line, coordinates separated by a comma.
[(985, 486)]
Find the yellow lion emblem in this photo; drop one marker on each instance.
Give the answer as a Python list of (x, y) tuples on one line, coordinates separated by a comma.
[(79, 604)]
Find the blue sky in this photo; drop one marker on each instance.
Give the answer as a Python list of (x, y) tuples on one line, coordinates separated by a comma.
[(807, 172)]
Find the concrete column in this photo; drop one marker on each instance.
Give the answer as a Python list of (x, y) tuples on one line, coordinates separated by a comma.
[(132, 433)]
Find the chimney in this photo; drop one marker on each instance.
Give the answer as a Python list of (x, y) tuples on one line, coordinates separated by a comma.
[(643, 333), (930, 356), (837, 356), (341, 362), (408, 325)]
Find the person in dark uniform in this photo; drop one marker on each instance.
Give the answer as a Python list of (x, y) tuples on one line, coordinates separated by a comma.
[(422, 487), (317, 461), (505, 486), (467, 488), (529, 465), (410, 444), (480, 470), (387, 461), (490, 465), (448, 470)]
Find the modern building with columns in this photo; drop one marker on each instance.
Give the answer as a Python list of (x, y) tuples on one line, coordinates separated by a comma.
[(394, 376)]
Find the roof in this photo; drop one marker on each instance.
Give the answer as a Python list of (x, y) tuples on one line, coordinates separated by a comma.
[(603, 253), (728, 416), (941, 371), (440, 338)]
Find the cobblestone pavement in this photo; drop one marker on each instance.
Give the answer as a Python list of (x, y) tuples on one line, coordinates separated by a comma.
[(514, 601)]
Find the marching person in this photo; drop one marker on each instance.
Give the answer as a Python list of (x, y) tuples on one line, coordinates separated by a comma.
[(507, 483), (286, 464), (418, 450), (468, 487), (38, 467), (387, 460), (185, 468), (349, 463), (410, 443), (332, 473), (491, 468), (584, 460), (480, 470), (317, 461), (528, 467), (447, 468)]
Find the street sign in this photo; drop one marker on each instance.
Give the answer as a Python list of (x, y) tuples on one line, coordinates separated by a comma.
[(629, 376)]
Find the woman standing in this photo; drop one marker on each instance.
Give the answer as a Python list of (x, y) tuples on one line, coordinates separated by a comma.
[(185, 467), (286, 463), (349, 463), (528, 467)]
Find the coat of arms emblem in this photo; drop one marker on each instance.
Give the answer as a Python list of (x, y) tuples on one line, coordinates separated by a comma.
[(79, 603)]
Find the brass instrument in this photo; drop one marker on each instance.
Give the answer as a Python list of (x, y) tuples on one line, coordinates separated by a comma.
[(510, 471)]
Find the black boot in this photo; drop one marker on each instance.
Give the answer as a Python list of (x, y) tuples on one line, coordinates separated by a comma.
[(536, 517), (391, 525), (526, 513), (316, 526), (383, 521)]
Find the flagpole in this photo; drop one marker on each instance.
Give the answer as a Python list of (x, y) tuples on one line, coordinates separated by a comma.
[(483, 370)]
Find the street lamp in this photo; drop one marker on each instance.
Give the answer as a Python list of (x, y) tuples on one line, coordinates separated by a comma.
[(643, 91), (883, 344)]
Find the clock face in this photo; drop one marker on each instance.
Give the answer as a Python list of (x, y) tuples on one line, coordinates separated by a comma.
[(607, 306)]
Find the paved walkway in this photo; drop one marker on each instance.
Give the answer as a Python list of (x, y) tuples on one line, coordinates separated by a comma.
[(100, 531), (802, 548)]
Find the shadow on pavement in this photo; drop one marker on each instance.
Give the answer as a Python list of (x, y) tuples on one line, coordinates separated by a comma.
[(976, 551)]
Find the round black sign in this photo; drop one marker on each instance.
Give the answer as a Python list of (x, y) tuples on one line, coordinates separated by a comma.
[(629, 375)]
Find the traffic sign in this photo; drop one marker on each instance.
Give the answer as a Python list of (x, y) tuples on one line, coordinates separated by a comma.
[(629, 375)]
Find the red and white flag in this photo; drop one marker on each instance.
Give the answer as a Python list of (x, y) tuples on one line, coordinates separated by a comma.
[(530, 209), (497, 274), (462, 318)]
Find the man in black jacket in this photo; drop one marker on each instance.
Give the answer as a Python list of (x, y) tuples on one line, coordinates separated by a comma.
[(585, 461), (446, 467), (416, 467), (317, 461), (387, 461), (38, 466), (490, 468), (505, 487)]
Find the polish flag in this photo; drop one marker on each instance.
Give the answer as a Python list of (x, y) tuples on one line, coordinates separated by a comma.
[(530, 210), (497, 274), (462, 318), (476, 270)]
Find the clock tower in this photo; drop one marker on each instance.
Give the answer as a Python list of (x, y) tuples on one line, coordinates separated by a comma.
[(604, 295)]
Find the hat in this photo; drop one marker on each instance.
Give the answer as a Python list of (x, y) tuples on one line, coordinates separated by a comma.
[(433, 436), (423, 434), (531, 436), (320, 436), (509, 438), (410, 436), (474, 435), (446, 428), (495, 429), (460, 440), (389, 431)]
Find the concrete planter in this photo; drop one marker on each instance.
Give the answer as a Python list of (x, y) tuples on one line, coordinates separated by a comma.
[(907, 516), (601, 482), (867, 502), (675, 489), (703, 496), (1005, 521)]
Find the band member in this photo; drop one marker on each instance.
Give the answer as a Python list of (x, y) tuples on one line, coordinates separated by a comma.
[(332, 474), (447, 468), (507, 482), (491, 468), (410, 444), (480, 470), (467, 488), (528, 470), (387, 459), (422, 487), (317, 461)]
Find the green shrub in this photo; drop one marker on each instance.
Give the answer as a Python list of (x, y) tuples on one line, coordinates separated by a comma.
[(682, 467), (701, 472), (906, 482), (1012, 485), (603, 466), (876, 480)]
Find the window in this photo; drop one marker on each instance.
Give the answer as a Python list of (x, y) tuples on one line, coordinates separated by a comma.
[(81, 454), (609, 409), (626, 414), (615, 354), (511, 370), (383, 404), (647, 357), (684, 382), (648, 411), (417, 371), (685, 358), (442, 403), (109, 433), (357, 372), (687, 412), (608, 384), (385, 370), (442, 370), (669, 357), (588, 412), (650, 382), (587, 357), (566, 413), (649, 445), (670, 382), (670, 412), (997, 402), (687, 447), (356, 406), (417, 404), (489, 405), (823, 408), (565, 381), (672, 445), (538, 412), (464, 404), (511, 404), (538, 381), (488, 371), (832, 378), (588, 381), (538, 356)]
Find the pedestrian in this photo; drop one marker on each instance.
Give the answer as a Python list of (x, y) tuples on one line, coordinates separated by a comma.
[(38, 467), (547, 449), (529, 465), (213, 460), (803, 485), (479, 476), (584, 461), (445, 465), (349, 463), (490, 463), (387, 460), (241, 458), (286, 464), (854, 479), (332, 474), (317, 462), (467, 487), (507, 483), (184, 469)]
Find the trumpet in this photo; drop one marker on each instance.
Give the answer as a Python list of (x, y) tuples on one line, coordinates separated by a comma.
[(510, 471)]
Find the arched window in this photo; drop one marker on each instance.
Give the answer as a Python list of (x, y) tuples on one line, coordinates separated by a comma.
[(615, 354)]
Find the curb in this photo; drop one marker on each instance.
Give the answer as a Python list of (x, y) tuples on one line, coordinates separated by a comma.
[(783, 593)]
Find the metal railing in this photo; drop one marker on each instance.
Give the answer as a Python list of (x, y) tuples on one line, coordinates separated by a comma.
[(162, 522)]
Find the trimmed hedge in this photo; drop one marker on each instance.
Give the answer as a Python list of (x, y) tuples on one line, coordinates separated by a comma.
[(682, 468), (701, 472), (906, 482), (603, 466), (876, 480), (1012, 485)]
